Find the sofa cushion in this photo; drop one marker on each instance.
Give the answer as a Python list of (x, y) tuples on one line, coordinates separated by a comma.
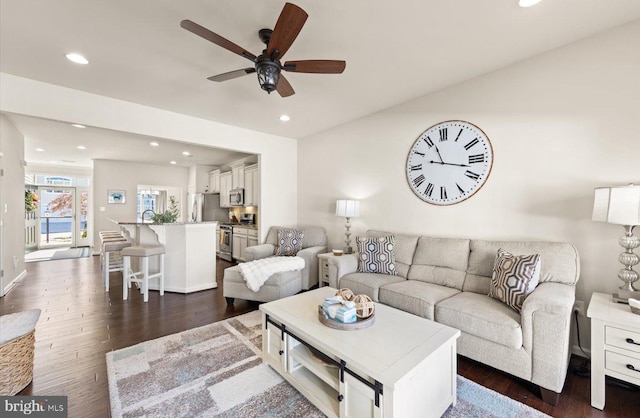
[(418, 298), (376, 254), (404, 251), (560, 264), (481, 316), (289, 242), (514, 277), (368, 283), (440, 261)]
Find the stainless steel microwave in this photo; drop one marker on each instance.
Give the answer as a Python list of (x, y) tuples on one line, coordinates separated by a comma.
[(236, 197)]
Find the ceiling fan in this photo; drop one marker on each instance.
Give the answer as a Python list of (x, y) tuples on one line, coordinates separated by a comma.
[(267, 65)]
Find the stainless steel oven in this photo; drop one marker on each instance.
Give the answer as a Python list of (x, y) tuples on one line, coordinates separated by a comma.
[(226, 242)]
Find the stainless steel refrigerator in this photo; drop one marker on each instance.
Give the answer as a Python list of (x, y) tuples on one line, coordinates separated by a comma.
[(206, 207)]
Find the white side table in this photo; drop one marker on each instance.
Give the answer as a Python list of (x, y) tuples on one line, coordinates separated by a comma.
[(323, 269), (615, 345)]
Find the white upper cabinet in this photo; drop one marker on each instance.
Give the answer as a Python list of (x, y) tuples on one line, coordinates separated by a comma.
[(214, 181), (237, 175), (251, 185)]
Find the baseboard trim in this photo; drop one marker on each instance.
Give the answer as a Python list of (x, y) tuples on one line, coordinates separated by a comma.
[(575, 350), (13, 283)]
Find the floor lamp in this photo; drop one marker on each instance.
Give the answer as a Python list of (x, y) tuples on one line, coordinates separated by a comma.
[(621, 205), (348, 209)]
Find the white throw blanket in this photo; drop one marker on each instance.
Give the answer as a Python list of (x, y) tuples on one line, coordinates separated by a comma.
[(257, 272)]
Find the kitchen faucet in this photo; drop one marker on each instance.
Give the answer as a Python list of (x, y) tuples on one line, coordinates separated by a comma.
[(148, 210)]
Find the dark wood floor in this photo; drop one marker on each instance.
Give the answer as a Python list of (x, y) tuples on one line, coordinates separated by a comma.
[(80, 323)]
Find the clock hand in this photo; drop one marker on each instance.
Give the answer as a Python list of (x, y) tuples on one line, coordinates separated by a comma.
[(457, 165), (440, 156), (443, 163)]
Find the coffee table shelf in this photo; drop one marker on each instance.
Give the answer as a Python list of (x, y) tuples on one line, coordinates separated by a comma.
[(315, 389), (330, 375)]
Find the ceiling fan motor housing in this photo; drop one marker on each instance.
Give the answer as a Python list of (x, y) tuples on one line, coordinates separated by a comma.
[(268, 71)]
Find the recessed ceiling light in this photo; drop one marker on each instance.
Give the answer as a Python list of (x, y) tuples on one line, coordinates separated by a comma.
[(77, 125), (40, 149), (77, 58), (81, 147), (186, 153), (173, 162), (154, 144), (527, 3), (285, 118)]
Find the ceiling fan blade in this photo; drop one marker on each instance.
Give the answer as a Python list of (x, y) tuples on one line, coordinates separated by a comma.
[(216, 39), (316, 66), (287, 28), (284, 88), (231, 74)]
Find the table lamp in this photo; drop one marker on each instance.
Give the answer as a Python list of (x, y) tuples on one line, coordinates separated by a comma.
[(621, 205), (348, 209)]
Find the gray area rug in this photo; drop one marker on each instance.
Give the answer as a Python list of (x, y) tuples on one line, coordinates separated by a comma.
[(57, 254), (216, 371)]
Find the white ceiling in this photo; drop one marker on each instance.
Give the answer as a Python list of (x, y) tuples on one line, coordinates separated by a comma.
[(395, 51)]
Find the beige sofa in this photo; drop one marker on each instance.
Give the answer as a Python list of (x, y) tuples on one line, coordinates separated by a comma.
[(447, 280), (280, 284)]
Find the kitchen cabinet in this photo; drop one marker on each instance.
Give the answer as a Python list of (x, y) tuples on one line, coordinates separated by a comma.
[(252, 237), (214, 181), (243, 238), (237, 175), (251, 185), (225, 188)]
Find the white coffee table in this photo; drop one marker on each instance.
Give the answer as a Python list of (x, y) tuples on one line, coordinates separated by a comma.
[(402, 366)]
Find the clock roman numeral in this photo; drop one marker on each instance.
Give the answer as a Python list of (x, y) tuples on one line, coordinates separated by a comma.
[(416, 167), (428, 190), (460, 189), (428, 141), (443, 134), (418, 153), (471, 144), (472, 175), (418, 180), (458, 136), (477, 158), (443, 192)]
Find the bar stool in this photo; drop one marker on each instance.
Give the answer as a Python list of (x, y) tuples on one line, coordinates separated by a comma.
[(112, 259), (141, 277)]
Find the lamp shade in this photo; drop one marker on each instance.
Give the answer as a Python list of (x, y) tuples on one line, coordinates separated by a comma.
[(617, 205), (348, 208)]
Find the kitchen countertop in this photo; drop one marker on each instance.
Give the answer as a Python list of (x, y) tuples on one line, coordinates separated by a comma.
[(135, 222)]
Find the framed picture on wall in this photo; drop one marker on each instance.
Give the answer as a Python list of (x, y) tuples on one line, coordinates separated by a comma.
[(116, 196)]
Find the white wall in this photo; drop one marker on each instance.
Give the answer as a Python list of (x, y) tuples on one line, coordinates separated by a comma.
[(121, 175), (560, 124), (277, 155), (12, 211)]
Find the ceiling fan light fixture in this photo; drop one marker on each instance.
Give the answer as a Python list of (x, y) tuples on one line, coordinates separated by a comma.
[(268, 74)]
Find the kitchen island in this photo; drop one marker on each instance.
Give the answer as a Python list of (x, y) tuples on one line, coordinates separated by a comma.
[(190, 253)]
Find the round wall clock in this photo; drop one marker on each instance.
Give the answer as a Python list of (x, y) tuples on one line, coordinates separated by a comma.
[(449, 162)]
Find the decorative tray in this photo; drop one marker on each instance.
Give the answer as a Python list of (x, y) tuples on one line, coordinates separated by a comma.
[(332, 323)]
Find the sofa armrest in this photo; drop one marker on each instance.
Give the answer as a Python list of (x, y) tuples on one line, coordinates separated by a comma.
[(257, 252), (341, 266), (546, 325), (310, 273)]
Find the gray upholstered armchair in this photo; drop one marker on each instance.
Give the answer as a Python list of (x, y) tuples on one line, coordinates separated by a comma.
[(313, 243)]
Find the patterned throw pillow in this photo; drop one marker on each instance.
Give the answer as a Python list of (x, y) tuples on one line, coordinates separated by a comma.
[(289, 241), (376, 254), (514, 277)]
